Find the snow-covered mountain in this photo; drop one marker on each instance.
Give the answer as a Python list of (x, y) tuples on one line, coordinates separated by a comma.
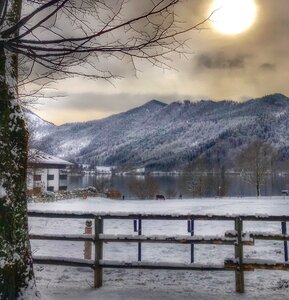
[(162, 135), (38, 128)]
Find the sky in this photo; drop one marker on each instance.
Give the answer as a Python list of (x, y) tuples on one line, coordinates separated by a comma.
[(218, 66)]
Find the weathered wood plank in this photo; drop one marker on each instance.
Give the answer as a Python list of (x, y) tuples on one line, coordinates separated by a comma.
[(62, 261), (73, 215), (265, 236), (60, 215), (182, 239), (215, 240), (252, 264), (66, 237), (256, 235), (162, 266)]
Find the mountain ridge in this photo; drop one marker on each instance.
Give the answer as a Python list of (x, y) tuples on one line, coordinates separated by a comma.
[(160, 135)]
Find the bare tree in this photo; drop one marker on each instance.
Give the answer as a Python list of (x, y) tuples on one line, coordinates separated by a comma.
[(221, 184), (43, 40), (171, 192), (197, 181), (144, 189), (102, 184), (255, 162)]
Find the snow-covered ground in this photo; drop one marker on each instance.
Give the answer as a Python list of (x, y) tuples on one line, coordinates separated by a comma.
[(56, 282)]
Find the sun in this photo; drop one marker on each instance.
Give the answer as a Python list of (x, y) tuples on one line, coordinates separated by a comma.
[(233, 16)]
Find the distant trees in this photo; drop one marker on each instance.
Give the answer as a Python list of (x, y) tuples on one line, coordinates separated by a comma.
[(204, 180), (127, 167), (76, 168), (144, 189), (255, 161), (171, 192), (220, 183), (102, 184), (197, 182)]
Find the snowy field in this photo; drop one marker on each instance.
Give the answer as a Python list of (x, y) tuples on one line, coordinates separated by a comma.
[(57, 282)]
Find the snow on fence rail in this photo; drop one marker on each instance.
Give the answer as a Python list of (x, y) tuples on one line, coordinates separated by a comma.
[(236, 238)]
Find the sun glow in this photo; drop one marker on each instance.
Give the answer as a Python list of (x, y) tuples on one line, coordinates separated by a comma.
[(233, 16)]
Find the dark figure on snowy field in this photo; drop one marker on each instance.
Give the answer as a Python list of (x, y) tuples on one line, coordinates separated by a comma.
[(160, 197)]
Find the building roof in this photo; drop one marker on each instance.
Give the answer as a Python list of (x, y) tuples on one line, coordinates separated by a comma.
[(39, 157)]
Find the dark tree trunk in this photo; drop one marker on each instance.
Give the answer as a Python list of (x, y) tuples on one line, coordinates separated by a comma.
[(258, 188), (16, 272)]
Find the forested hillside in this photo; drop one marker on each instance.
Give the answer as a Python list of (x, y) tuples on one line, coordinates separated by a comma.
[(159, 135)]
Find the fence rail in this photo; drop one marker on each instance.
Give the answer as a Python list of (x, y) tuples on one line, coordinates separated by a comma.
[(236, 238)]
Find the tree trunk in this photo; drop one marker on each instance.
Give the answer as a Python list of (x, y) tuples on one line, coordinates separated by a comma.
[(258, 188), (16, 272)]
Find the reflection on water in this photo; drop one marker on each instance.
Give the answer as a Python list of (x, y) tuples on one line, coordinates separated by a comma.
[(173, 186)]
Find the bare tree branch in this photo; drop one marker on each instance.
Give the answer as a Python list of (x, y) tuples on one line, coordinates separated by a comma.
[(100, 30)]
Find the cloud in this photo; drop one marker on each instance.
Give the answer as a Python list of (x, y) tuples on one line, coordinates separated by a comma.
[(221, 60), (218, 67), (92, 106), (268, 67), (112, 102)]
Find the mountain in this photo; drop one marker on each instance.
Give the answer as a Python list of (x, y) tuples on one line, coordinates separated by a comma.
[(38, 128), (160, 135)]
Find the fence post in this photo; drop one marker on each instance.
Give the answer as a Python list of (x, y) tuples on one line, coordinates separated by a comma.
[(98, 229), (87, 244), (191, 229), (239, 272), (139, 233), (284, 231), (137, 227)]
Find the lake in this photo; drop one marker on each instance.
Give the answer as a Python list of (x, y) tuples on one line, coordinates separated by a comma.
[(187, 186)]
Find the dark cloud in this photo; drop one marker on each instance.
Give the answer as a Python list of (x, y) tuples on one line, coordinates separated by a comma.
[(221, 61), (268, 67)]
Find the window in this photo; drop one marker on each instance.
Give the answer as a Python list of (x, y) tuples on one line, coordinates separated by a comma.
[(50, 177), (50, 188), (63, 188), (37, 177), (63, 177)]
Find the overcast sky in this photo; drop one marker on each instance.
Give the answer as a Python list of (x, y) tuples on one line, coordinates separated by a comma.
[(237, 67)]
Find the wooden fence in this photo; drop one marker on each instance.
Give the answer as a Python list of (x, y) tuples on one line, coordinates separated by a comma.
[(236, 238)]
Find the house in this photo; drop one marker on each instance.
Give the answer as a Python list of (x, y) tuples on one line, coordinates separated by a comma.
[(46, 172), (131, 171), (104, 170)]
